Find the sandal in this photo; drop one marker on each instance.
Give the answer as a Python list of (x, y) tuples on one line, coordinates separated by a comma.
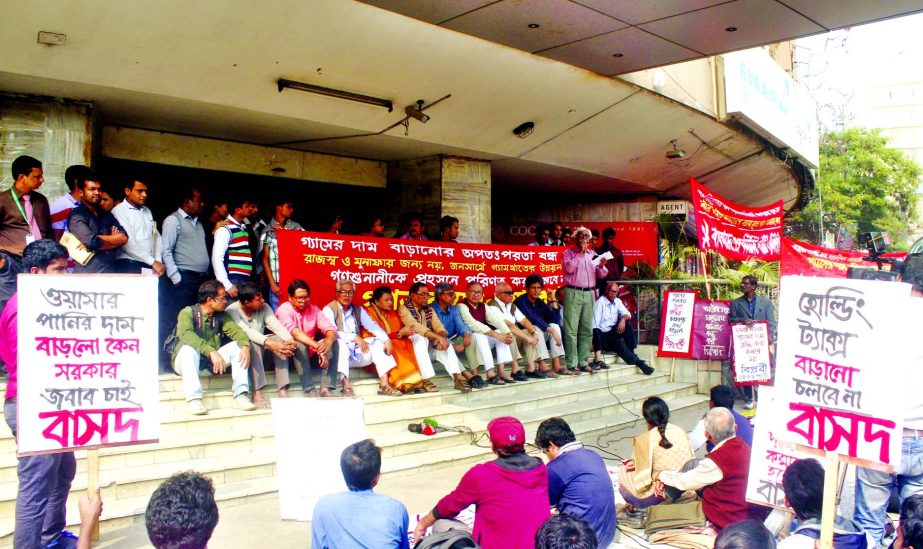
[(586, 369), (311, 393), (461, 384), (262, 404), (324, 392), (348, 392), (565, 372), (507, 380), (549, 373), (429, 387), (495, 381), (389, 391)]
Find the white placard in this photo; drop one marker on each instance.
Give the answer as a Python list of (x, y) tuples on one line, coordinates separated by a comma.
[(87, 372), (751, 352), (769, 457), (676, 323), (310, 435), (842, 344)]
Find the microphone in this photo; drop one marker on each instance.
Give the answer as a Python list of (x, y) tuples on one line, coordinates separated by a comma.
[(428, 427)]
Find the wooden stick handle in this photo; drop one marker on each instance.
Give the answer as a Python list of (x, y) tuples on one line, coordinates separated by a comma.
[(93, 483), (828, 514)]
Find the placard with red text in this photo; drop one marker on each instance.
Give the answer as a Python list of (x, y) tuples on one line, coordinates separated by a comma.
[(751, 353), (676, 323), (840, 366), (88, 349)]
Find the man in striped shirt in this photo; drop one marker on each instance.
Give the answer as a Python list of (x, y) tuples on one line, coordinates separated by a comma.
[(232, 257)]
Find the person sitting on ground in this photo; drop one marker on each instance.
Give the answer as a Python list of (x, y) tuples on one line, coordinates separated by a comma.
[(314, 335), (747, 534), (510, 493), (543, 317), (803, 483), (359, 517), (416, 313), (254, 317), (487, 322), (663, 447), (612, 329), (415, 228), (182, 512), (578, 482), (448, 229), (566, 532), (528, 337), (404, 377), (357, 350), (721, 475), (721, 396), (910, 529), (199, 329)]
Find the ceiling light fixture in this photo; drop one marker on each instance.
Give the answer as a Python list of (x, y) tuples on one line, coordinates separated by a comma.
[(417, 112), (533, 25), (618, 55), (676, 153), (524, 130), (731, 29), (330, 92)]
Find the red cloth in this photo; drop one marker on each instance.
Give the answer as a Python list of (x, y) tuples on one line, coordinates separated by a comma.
[(724, 502), (511, 504), (8, 342)]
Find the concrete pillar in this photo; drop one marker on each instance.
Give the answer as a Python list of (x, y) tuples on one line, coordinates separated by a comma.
[(442, 185), (60, 133)]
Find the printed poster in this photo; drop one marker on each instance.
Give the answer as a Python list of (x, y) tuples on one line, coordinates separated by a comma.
[(752, 359), (676, 323)]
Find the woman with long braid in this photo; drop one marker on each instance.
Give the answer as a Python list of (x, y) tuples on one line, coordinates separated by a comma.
[(664, 447)]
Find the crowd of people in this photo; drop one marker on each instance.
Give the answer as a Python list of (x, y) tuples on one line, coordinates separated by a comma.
[(223, 307)]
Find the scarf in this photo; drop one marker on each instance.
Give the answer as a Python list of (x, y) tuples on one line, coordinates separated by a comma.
[(425, 318)]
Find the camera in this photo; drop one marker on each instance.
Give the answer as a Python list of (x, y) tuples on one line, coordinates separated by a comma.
[(876, 243)]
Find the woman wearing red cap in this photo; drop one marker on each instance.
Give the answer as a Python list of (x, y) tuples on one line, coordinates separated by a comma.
[(510, 492)]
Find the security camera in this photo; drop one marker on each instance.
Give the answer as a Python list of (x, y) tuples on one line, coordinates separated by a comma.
[(676, 153), (417, 112)]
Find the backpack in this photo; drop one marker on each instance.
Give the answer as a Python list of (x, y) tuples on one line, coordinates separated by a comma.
[(453, 539)]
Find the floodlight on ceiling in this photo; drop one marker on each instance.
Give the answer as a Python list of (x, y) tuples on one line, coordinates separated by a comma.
[(676, 153), (417, 112), (330, 92)]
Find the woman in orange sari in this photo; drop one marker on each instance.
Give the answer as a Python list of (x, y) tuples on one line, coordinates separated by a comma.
[(405, 376)]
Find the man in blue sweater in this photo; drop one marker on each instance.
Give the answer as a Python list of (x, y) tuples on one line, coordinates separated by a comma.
[(578, 483)]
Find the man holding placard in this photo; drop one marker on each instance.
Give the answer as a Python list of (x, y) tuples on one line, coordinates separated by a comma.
[(44, 480), (748, 308)]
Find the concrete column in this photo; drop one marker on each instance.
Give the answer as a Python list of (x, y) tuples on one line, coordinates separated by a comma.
[(442, 185), (60, 133)]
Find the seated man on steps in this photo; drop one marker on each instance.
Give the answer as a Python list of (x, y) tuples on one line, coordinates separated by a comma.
[(528, 338), (419, 315), (199, 329), (314, 335), (612, 329), (349, 319), (546, 319), (463, 341), (485, 324), (360, 517), (254, 317)]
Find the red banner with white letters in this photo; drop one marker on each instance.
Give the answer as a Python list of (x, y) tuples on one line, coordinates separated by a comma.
[(638, 240), (321, 259), (734, 231), (801, 258)]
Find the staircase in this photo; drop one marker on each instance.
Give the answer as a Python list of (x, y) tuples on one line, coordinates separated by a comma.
[(236, 449)]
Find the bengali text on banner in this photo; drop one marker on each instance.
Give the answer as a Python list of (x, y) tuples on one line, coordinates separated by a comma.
[(801, 258), (321, 259), (734, 231)]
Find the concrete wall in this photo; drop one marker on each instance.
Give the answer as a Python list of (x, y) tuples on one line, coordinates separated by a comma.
[(60, 133)]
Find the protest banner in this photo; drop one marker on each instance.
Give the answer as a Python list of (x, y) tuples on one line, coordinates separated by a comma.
[(769, 458), (839, 352), (309, 436), (638, 240), (751, 353), (676, 323), (322, 259), (711, 333), (88, 346), (801, 258), (736, 232)]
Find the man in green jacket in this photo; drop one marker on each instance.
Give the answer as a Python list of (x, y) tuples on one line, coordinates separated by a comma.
[(199, 329)]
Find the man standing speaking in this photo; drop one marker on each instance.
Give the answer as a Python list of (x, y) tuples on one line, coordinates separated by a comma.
[(581, 271)]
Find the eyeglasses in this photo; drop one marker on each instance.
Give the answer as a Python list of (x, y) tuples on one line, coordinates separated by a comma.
[(449, 293), (301, 299), (422, 294), (346, 292), (475, 292), (223, 298)]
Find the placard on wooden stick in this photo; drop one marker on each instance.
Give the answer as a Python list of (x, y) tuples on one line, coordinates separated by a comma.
[(752, 360)]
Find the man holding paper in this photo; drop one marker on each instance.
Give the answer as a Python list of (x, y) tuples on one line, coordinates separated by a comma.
[(749, 308), (581, 270)]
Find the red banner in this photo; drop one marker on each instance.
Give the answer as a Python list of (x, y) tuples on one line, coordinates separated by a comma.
[(321, 259), (801, 258), (637, 240), (734, 231)]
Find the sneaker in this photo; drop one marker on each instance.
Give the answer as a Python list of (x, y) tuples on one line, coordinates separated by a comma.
[(520, 376), (243, 403), (645, 368), (196, 407), (749, 405), (64, 540)]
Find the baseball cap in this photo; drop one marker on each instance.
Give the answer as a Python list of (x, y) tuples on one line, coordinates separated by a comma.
[(506, 431)]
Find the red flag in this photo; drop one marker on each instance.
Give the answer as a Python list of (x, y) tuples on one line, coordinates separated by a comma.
[(734, 231), (801, 258)]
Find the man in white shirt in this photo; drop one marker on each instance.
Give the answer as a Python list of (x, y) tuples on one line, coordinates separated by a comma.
[(612, 330), (144, 249), (529, 339), (61, 208), (255, 317), (487, 323)]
